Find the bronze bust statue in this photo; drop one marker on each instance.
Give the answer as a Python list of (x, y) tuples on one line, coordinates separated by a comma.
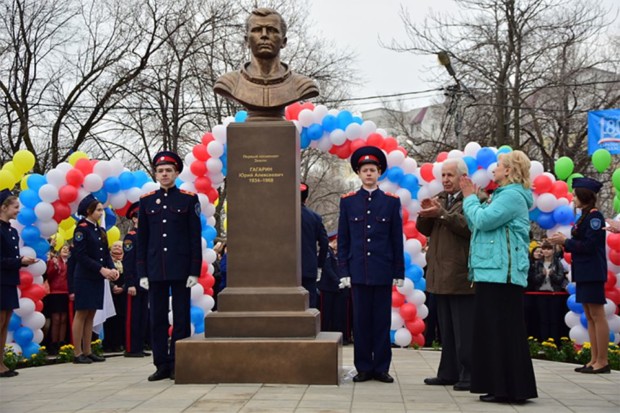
[(265, 85)]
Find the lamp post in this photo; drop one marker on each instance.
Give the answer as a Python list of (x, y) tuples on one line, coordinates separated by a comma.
[(455, 92)]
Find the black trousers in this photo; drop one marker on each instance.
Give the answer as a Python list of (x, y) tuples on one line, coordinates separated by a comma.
[(455, 316), (137, 321), (336, 312)]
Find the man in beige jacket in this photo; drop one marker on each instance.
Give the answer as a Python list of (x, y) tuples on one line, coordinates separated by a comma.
[(442, 219)]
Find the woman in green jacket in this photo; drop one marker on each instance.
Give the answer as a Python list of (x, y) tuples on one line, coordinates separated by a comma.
[(498, 264)]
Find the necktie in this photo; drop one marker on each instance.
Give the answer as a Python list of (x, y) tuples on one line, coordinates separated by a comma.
[(450, 201)]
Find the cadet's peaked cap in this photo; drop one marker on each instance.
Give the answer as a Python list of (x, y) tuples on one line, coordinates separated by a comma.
[(4, 194), (132, 210), (587, 183), (332, 235), (368, 154), (168, 158), (85, 203)]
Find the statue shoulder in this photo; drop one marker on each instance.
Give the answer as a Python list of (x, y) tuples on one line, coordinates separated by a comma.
[(227, 82), (307, 87)]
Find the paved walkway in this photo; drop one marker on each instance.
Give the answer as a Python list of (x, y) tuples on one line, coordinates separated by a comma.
[(120, 385)]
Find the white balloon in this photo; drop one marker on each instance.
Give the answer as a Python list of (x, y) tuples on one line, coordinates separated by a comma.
[(197, 291), (63, 167), (455, 153), (170, 317), (368, 127), (26, 307), (92, 182), (38, 268), (118, 200), (211, 256), (434, 188), (133, 194), (149, 187), (395, 158), (306, 117), (15, 348), (546, 202), (414, 208), (417, 297), (47, 228), (215, 149), (34, 320), (338, 137), (319, 113), (208, 209), (38, 279), (402, 337), (103, 169), (56, 177), (48, 193), (353, 131), (228, 120), (44, 211), (471, 149), (27, 252), (214, 164), (614, 323), (116, 167), (420, 260), (388, 186), (413, 247), (437, 167), (211, 221), (397, 320), (550, 175), (610, 307), (422, 311), (217, 179), (407, 288), (325, 143), (572, 319), (481, 178), (404, 195), (189, 159), (579, 334), (491, 168), (424, 193), (382, 132), (188, 186), (536, 168), (219, 133), (409, 165)]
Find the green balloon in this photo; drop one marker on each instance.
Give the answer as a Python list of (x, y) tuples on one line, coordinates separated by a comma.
[(564, 167), (569, 181), (616, 204), (615, 179), (601, 159)]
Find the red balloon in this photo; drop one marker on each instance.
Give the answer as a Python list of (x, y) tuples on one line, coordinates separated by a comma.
[(83, 165), (203, 184), (442, 156), (542, 184), (203, 281), (613, 295), (408, 311), (68, 193), (397, 299), (198, 168), (38, 305), (209, 291), (209, 281), (206, 138), (559, 189), (75, 176), (422, 239), (418, 339), (35, 292), (614, 257), (375, 139), (122, 211), (292, 111), (613, 241), (343, 151), (415, 326), (610, 284), (568, 257), (356, 144), (492, 186), (204, 268), (389, 144), (569, 196), (170, 331), (405, 213), (410, 230), (200, 152), (426, 172), (25, 279), (307, 105), (62, 211), (212, 194)]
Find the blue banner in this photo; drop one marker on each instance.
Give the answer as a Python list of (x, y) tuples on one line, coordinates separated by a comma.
[(604, 130)]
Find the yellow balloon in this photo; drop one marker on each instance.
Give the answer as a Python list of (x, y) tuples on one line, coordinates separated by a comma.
[(225, 225), (217, 201), (7, 180), (225, 207), (60, 241), (24, 183), (67, 223), (24, 161), (68, 233), (76, 156), (10, 167), (114, 234)]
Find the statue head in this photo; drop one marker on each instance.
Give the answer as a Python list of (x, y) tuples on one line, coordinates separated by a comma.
[(265, 33)]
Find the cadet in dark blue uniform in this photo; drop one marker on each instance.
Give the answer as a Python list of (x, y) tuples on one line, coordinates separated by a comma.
[(169, 258), (93, 265), (370, 258), (10, 263), (589, 270), (137, 297), (312, 232)]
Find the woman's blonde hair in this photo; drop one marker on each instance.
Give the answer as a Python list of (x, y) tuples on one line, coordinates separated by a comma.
[(519, 165)]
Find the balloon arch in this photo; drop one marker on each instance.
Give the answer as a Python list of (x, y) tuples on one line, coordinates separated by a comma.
[(49, 203)]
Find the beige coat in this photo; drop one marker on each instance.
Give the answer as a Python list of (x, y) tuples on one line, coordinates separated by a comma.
[(448, 249)]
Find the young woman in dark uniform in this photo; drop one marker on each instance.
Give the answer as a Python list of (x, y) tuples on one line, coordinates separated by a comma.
[(589, 270), (93, 266), (10, 263)]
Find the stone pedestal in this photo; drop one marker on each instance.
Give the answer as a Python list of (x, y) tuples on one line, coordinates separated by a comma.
[(263, 331)]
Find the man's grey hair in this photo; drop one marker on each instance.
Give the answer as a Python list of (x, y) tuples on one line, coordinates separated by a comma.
[(461, 166)]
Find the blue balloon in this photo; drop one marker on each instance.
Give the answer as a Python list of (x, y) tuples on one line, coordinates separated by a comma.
[(414, 273), (407, 259), (15, 322), (241, 116), (29, 198), (571, 288), (304, 139), (485, 157), (197, 315), (199, 328), (411, 183), (36, 181), (421, 284), (395, 174), (112, 185), (472, 164), (140, 178), (315, 131), (584, 320), (344, 119), (330, 123), (29, 349), (357, 119), (504, 149), (573, 305), (563, 215), (209, 232), (126, 180), (26, 216), (110, 218), (178, 182), (23, 336), (101, 195), (41, 247), (534, 214), (393, 336), (545, 220), (30, 234)]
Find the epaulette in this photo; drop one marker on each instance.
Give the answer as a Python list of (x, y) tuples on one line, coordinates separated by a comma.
[(392, 195), (348, 195), (183, 191), (132, 232), (148, 193), (83, 224)]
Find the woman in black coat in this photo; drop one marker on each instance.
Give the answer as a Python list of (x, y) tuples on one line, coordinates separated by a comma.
[(92, 267), (10, 263)]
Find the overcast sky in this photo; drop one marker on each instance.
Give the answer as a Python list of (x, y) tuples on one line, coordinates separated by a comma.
[(358, 24)]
